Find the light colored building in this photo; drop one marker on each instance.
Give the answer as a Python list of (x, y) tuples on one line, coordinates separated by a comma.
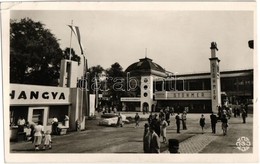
[(41, 103), (198, 92)]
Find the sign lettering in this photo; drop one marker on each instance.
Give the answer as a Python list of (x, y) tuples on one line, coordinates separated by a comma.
[(183, 95), (35, 95)]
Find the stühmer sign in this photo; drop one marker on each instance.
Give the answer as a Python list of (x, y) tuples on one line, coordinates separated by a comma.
[(130, 99), (183, 95), (38, 95)]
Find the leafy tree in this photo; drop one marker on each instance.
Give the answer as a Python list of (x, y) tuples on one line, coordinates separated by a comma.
[(35, 53), (74, 56), (116, 84), (95, 72)]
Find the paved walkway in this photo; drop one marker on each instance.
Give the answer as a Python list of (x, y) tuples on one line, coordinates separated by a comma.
[(196, 143), (193, 141), (97, 139)]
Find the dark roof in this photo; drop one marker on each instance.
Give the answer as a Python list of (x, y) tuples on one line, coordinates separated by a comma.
[(145, 64)]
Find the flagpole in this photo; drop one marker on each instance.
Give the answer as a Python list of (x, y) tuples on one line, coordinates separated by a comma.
[(96, 92), (70, 39)]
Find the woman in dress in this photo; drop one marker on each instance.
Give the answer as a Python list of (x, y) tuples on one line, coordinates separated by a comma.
[(38, 132), (164, 124)]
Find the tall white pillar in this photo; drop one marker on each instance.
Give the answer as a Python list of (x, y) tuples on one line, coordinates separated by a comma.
[(215, 78), (147, 92), (68, 73)]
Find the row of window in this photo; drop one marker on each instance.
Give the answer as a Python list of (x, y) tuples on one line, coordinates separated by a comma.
[(227, 84)]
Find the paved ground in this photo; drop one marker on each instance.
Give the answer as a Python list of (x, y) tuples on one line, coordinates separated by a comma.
[(99, 139)]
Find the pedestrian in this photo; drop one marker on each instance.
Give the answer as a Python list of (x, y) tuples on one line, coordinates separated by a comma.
[(173, 146), (21, 123), (119, 120), (38, 133), (31, 126), (66, 121), (238, 112), (47, 140), (171, 111), (157, 127), (244, 115), (167, 116), (150, 118), (146, 139), (235, 112), (224, 121), (184, 118), (161, 115), (115, 110), (202, 123), (164, 124), (178, 122), (55, 124), (137, 119), (213, 120), (224, 111), (154, 142)]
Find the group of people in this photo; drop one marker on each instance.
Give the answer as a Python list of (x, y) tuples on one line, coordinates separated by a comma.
[(38, 137), (214, 120), (159, 124), (237, 112), (153, 130), (151, 141), (223, 115), (156, 128), (179, 119)]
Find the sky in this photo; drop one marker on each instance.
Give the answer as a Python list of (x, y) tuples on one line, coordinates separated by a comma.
[(179, 41)]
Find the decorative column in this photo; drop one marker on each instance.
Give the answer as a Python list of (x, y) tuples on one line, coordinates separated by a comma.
[(146, 93), (215, 78)]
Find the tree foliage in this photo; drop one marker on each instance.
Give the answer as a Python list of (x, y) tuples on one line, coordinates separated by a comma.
[(35, 53), (116, 84), (95, 72), (74, 56)]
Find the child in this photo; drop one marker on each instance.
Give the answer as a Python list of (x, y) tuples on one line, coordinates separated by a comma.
[(47, 140), (202, 123)]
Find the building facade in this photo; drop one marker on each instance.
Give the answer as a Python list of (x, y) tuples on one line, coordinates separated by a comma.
[(41, 103), (197, 92), (193, 91)]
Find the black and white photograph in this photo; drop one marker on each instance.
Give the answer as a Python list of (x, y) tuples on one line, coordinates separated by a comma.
[(102, 81)]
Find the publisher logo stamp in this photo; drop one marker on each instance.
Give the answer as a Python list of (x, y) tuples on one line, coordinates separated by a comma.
[(243, 143)]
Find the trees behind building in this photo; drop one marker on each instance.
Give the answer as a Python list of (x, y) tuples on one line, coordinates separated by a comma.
[(35, 54)]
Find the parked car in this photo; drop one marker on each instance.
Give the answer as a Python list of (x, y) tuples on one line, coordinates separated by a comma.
[(111, 119)]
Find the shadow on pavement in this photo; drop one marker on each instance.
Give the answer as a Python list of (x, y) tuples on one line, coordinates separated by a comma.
[(32, 149)]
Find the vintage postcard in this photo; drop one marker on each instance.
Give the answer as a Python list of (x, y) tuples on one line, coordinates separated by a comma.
[(130, 82)]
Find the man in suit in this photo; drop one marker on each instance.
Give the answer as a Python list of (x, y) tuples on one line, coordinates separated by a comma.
[(154, 142), (214, 120), (178, 122)]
